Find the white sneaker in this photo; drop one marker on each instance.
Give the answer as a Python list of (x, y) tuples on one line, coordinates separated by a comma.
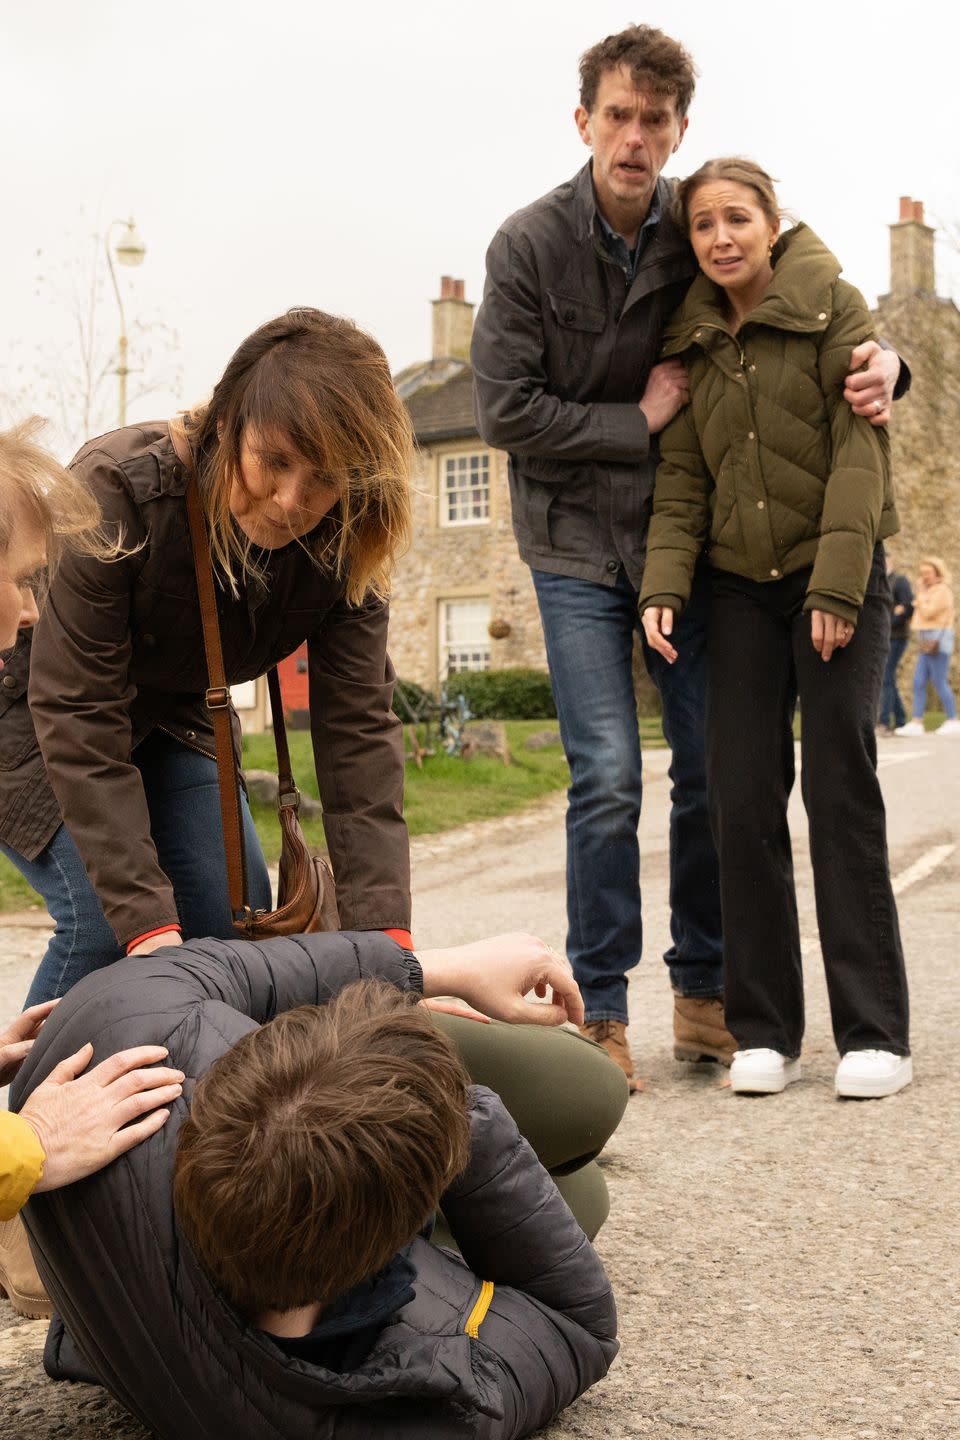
[(912, 727), (871, 1074), (762, 1072), (949, 727)]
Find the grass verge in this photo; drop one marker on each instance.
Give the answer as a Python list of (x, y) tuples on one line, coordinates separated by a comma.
[(445, 794)]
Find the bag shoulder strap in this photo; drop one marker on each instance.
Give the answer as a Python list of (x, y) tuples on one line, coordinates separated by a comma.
[(218, 696), (218, 703)]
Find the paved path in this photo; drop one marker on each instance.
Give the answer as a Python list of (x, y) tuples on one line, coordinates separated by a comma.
[(786, 1267)]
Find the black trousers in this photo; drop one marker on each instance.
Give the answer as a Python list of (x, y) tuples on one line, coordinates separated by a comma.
[(761, 661)]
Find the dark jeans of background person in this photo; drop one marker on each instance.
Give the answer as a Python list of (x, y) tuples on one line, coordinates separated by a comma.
[(761, 660), (589, 631), (892, 712), (184, 802)]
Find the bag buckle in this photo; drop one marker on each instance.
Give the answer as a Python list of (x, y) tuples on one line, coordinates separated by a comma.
[(248, 916), (289, 799), (217, 697)]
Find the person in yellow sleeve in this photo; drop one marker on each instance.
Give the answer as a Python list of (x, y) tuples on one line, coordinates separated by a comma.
[(72, 1125)]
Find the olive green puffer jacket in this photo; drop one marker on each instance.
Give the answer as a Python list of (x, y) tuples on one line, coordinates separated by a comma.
[(768, 466)]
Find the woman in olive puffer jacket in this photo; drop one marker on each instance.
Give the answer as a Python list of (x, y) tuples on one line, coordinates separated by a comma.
[(790, 495)]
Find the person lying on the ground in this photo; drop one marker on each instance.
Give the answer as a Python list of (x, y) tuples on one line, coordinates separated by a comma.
[(260, 1267)]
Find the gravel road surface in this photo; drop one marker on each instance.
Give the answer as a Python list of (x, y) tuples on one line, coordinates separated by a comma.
[(786, 1266)]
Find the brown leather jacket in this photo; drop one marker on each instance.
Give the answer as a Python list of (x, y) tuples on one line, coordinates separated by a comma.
[(119, 651)]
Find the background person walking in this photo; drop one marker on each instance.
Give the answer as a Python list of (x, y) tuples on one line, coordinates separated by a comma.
[(933, 624)]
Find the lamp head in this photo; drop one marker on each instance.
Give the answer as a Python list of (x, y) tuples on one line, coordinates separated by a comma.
[(130, 249)]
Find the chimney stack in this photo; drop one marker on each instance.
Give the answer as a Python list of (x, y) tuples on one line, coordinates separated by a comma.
[(911, 252), (452, 322)]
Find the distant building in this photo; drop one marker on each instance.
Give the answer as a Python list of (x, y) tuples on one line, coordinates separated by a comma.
[(462, 599), (925, 328)]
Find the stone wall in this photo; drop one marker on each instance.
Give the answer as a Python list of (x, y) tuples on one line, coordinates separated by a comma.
[(924, 437), (461, 562)]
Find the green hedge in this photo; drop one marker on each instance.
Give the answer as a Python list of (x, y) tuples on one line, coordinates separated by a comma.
[(505, 694)]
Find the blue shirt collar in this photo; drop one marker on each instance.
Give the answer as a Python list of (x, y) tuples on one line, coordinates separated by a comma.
[(616, 246)]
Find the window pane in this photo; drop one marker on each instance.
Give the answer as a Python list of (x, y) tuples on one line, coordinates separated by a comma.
[(466, 489), (464, 638)]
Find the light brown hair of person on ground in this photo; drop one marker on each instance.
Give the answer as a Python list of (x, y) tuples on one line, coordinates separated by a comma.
[(657, 64), (318, 1146), (318, 383)]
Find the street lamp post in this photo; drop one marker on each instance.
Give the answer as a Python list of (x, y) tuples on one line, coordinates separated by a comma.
[(129, 250)]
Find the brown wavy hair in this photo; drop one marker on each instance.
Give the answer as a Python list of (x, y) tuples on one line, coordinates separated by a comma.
[(655, 61), (37, 490), (739, 171), (324, 386), (318, 1146)]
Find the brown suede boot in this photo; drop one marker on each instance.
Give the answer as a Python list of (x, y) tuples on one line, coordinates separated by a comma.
[(19, 1280), (700, 1031), (611, 1035)]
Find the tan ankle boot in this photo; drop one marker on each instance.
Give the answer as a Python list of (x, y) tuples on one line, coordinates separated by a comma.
[(19, 1280), (611, 1035), (700, 1031)]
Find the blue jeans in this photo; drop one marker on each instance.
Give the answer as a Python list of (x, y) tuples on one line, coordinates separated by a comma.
[(891, 706), (589, 631), (184, 802), (932, 670)]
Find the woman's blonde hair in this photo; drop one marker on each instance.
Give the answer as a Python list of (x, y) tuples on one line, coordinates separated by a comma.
[(938, 565), (318, 383), (738, 170), (36, 490)]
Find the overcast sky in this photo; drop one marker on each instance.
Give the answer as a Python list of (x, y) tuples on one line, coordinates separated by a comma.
[(278, 152)]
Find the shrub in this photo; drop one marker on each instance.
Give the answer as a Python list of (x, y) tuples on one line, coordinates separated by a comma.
[(505, 694)]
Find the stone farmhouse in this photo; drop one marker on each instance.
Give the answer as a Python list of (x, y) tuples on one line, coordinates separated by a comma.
[(926, 328)]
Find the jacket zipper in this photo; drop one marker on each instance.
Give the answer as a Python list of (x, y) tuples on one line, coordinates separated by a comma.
[(210, 755), (477, 1315)]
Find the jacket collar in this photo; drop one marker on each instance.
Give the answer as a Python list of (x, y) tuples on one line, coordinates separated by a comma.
[(798, 298), (666, 258)]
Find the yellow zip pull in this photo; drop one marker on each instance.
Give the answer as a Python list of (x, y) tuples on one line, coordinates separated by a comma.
[(477, 1314)]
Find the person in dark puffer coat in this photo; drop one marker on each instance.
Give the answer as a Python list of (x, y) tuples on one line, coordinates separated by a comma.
[(491, 1348)]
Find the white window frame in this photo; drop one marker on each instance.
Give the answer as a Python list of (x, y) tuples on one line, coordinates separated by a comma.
[(474, 648), (462, 464)]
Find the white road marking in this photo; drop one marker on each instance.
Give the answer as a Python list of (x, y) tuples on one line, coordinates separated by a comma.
[(886, 758), (919, 870)]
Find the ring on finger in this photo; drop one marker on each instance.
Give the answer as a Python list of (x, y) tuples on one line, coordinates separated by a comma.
[(878, 407)]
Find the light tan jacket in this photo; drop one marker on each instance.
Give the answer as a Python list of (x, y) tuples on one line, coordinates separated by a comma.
[(933, 608)]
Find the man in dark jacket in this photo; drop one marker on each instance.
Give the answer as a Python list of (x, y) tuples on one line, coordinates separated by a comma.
[(426, 1345), (579, 286), (892, 714)]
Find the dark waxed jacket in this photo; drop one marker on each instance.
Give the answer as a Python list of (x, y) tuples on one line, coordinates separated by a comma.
[(768, 465), (562, 348), (119, 651), (167, 1344)]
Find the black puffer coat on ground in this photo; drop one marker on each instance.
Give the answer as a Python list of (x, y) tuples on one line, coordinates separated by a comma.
[(167, 1344)]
